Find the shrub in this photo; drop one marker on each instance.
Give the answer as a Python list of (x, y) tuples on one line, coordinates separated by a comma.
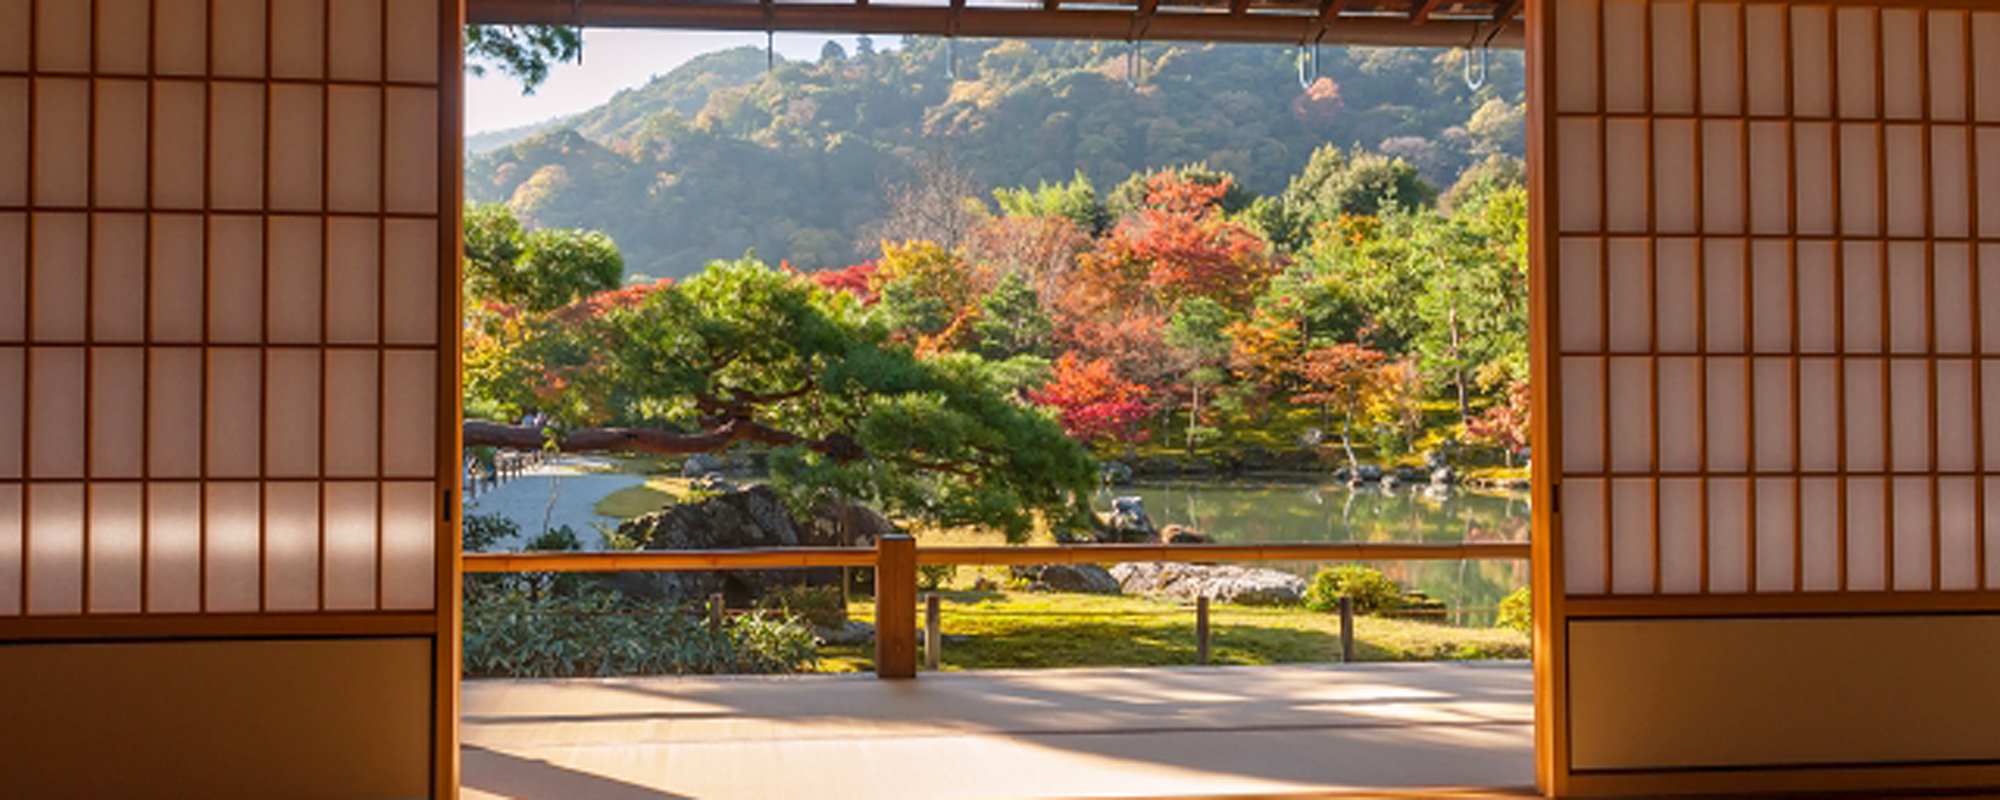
[(482, 531), (1517, 611), (560, 539), (598, 634), (818, 606), (932, 577), (1371, 590)]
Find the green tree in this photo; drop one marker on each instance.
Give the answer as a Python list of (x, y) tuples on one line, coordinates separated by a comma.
[(1011, 321), (1473, 309), (537, 270), (746, 354), (1075, 201), (1336, 184), (524, 52), (1198, 332)]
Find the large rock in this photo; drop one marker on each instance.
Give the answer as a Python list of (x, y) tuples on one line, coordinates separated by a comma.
[(844, 523), (1222, 583), (1129, 522), (701, 464), (1085, 578), (745, 518), (1181, 534)]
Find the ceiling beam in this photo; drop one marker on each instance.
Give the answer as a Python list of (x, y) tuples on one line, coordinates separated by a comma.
[(1329, 12), (1424, 12), (1508, 10), (1028, 22)]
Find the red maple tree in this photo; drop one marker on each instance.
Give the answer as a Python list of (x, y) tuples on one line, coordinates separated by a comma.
[(1179, 245), (857, 280), (1093, 403)]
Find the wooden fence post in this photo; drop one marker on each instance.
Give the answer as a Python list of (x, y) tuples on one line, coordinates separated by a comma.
[(1201, 630), (1346, 630), (715, 610), (933, 635), (896, 606)]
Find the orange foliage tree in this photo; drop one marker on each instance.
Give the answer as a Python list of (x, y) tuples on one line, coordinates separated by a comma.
[(1346, 381), (1180, 244), (1093, 403), (1504, 425)]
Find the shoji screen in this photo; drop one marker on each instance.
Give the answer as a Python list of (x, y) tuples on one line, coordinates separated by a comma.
[(226, 324), (1769, 253)]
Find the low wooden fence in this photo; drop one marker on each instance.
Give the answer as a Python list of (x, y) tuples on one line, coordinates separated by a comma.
[(895, 560)]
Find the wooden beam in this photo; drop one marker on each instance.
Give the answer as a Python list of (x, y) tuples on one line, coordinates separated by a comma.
[(671, 560), (1026, 22), (1239, 8), (1329, 13), (288, 625), (1508, 10), (1424, 12), (804, 557), (1204, 553)]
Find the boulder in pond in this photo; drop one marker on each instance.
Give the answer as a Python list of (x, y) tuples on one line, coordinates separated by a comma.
[(1084, 578), (1182, 534), (1129, 522), (1224, 583)]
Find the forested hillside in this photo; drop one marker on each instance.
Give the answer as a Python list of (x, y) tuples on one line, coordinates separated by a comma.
[(805, 162)]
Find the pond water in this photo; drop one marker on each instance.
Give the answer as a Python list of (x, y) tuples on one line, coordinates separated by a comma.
[(1276, 511)]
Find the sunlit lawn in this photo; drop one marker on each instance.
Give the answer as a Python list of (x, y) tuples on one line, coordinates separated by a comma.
[(1006, 628), (1009, 629), (656, 493)]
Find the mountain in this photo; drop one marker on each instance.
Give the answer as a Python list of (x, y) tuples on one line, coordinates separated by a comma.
[(722, 154)]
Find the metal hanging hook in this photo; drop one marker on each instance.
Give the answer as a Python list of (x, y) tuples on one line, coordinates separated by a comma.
[(1308, 64), (1473, 48), (951, 58), (1133, 74)]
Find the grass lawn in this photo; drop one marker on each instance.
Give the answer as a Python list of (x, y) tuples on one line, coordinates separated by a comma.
[(656, 493), (1009, 629)]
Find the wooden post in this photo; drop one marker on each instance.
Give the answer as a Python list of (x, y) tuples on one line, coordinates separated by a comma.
[(715, 613), (933, 635), (1347, 630), (1201, 630), (896, 606)]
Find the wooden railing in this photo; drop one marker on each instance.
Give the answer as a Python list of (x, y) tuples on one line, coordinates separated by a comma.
[(895, 560)]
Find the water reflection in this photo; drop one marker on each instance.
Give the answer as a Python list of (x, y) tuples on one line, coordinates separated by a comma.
[(1230, 511), (1245, 511)]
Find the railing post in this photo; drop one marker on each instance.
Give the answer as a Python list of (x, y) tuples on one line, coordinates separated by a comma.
[(1201, 630), (933, 635), (896, 606), (1346, 630), (715, 613)]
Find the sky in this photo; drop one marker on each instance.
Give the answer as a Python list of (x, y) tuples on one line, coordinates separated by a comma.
[(613, 59)]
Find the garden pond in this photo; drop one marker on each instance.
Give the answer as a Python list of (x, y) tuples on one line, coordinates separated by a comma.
[(1242, 511)]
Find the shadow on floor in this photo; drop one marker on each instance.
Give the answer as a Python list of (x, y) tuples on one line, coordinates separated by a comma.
[(506, 775)]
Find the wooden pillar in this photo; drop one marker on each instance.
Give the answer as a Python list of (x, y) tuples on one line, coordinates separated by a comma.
[(896, 606), (1201, 630), (933, 633)]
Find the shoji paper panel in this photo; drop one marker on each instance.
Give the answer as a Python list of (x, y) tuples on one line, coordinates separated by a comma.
[(1777, 327), (220, 253)]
